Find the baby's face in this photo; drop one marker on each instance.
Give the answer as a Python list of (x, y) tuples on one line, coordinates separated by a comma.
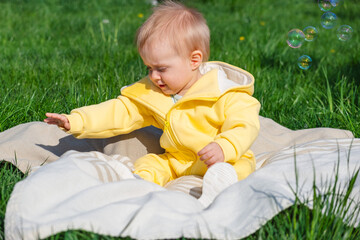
[(170, 72)]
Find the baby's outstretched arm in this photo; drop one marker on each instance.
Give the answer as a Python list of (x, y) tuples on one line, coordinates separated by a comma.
[(211, 154), (57, 119)]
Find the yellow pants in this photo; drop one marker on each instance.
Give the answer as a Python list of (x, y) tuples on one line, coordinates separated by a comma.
[(164, 168)]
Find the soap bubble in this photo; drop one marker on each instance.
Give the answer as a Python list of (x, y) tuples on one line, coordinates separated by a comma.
[(328, 20), (335, 2), (295, 38), (310, 33), (304, 62), (344, 32), (325, 5)]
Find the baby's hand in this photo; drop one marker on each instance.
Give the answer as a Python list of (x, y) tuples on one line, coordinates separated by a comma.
[(57, 119), (211, 154)]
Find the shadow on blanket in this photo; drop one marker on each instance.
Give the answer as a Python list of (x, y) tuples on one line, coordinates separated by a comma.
[(147, 137)]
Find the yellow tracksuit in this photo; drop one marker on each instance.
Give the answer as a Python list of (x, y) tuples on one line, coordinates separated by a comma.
[(217, 108)]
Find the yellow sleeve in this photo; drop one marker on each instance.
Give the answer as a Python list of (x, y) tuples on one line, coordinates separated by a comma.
[(108, 119), (241, 125)]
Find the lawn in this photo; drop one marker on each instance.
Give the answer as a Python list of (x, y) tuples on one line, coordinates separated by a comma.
[(56, 55)]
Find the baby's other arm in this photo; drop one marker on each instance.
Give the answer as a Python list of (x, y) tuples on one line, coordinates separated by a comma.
[(211, 154), (57, 119)]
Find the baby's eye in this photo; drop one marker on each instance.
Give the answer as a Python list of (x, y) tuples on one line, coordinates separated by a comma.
[(162, 69)]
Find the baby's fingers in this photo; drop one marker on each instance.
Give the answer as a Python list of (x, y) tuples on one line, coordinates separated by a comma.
[(54, 115), (210, 161), (205, 153), (205, 156), (205, 150), (53, 121)]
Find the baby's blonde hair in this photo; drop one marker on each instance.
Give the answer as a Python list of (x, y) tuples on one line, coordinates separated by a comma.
[(184, 28)]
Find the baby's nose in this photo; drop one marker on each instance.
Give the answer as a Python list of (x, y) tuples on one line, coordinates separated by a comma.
[(159, 82), (154, 75)]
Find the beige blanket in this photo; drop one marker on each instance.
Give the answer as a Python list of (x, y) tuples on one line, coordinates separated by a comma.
[(69, 194)]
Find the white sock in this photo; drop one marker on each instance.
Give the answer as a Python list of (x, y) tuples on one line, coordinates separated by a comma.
[(216, 179)]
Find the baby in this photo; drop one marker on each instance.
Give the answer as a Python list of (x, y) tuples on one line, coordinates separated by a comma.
[(205, 109)]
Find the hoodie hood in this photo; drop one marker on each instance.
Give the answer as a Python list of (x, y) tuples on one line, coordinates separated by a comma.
[(219, 78), (230, 72)]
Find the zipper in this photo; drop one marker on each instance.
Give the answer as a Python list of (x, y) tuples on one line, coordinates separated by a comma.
[(170, 132)]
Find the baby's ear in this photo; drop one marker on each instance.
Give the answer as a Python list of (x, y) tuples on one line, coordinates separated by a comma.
[(196, 58)]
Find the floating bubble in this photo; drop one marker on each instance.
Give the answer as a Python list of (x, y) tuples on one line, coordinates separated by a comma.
[(335, 2), (328, 20), (310, 33), (304, 62), (325, 5), (295, 38), (344, 32)]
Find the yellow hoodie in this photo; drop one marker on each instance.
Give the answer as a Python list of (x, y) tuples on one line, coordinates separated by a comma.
[(218, 107)]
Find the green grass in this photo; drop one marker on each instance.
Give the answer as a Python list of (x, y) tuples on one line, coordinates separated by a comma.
[(56, 55), (329, 218)]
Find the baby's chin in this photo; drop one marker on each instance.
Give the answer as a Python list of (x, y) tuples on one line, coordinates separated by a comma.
[(167, 91)]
